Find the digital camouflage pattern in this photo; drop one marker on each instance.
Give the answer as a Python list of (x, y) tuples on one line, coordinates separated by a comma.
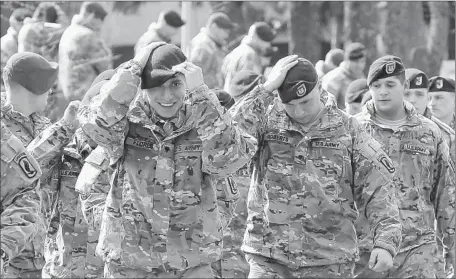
[(162, 210), (83, 55), (243, 57), (20, 221), (206, 53), (448, 133), (74, 229), (424, 183), (305, 187), (45, 142)]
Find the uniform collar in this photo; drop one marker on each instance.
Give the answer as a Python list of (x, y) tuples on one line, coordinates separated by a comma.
[(35, 123), (368, 113)]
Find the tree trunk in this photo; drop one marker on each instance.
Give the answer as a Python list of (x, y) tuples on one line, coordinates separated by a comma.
[(438, 36), (304, 30), (361, 25), (403, 30)]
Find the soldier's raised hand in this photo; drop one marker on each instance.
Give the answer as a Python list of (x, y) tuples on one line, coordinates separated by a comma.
[(193, 74), (380, 260), (279, 72), (71, 113)]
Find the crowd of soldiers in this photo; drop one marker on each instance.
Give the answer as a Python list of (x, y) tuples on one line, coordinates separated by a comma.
[(200, 163)]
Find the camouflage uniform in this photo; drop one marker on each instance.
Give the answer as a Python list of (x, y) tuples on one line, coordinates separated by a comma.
[(152, 35), (243, 57), (336, 82), (305, 187), (206, 53), (447, 131), (74, 229), (45, 142), (162, 216), (83, 55), (425, 190), (8, 47), (19, 200)]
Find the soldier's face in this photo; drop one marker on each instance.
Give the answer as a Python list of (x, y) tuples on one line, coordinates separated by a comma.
[(305, 109), (39, 102), (418, 98), (442, 103), (388, 94), (167, 99)]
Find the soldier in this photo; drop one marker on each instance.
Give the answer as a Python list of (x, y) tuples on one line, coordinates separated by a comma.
[(83, 54), (247, 56), (9, 40), (442, 101), (332, 60), (41, 34), (424, 177), (266, 58), (337, 80), (28, 78), (20, 205), (83, 187), (206, 49), (314, 163), (168, 24), (417, 95), (354, 95), (170, 142)]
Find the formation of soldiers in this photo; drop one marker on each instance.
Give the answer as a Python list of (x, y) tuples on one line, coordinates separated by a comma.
[(200, 163)]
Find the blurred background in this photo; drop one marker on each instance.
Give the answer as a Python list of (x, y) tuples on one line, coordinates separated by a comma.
[(421, 33)]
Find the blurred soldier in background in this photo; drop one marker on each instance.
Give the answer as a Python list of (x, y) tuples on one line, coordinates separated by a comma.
[(337, 80), (247, 56), (425, 176), (354, 95), (168, 24), (332, 60), (207, 51), (9, 45), (83, 54), (442, 101)]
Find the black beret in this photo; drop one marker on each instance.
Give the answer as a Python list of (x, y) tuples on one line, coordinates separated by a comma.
[(383, 67), (356, 90), (173, 19), (264, 31), (224, 98), (336, 56), (243, 82), (441, 84), (222, 20), (94, 8), (299, 81), (354, 51), (32, 71), (158, 68), (416, 78)]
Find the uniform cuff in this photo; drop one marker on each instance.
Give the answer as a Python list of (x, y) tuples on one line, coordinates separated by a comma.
[(388, 247)]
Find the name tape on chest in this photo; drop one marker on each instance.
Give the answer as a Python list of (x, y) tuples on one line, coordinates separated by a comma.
[(415, 149), (140, 143), (278, 137), (25, 165)]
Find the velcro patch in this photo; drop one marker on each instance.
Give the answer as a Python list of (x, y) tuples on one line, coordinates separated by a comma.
[(188, 148), (386, 162), (69, 173), (326, 144), (140, 143), (25, 165), (415, 149), (278, 137)]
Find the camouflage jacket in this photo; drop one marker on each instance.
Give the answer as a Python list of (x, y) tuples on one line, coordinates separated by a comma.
[(243, 57), (83, 55), (45, 142), (162, 209), (42, 38), (206, 53), (305, 187), (152, 35), (8, 47), (336, 82), (448, 133), (20, 221), (425, 178)]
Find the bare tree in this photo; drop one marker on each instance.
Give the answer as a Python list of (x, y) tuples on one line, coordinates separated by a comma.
[(437, 44), (304, 29)]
